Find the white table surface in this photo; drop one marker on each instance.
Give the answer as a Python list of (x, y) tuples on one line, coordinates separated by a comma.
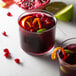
[(31, 65)]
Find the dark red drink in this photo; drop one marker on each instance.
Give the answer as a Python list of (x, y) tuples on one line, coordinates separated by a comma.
[(68, 65), (37, 32)]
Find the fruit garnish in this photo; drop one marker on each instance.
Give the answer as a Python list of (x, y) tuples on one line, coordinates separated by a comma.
[(62, 69), (54, 7), (17, 60), (6, 53), (5, 3), (32, 4), (54, 53), (25, 21), (68, 51), (66, 14), (41, 30), (35, 21), (28, 23), (38, 21), (28, 20), (65, 57), (48, 22), (4, 33), (9, 14), (6, 50)]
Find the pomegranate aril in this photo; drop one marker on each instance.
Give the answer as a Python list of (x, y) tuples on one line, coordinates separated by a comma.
[(47, 20), (45, 16), (6, 50), (43, 19), (6, 55), (38, 15), (31, 30), (9, 14), (33, 3), (17, 60), (4, 33)]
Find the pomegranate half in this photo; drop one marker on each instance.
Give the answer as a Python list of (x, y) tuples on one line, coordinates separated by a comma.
[(32, 4)]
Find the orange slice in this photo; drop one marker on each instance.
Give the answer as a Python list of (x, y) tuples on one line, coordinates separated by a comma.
[(39, 23), (6, 3), (54, 54), (28, 23), (25, 20)]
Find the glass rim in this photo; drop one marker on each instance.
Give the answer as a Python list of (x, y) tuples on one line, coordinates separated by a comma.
[(70, 65), (42, 11), (72, 38)]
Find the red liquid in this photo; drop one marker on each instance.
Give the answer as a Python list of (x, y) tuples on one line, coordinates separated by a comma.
[(45, 20), (35, 43), (69, 71)]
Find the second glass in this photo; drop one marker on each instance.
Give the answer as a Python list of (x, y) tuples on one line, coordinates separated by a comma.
[(68, 65)]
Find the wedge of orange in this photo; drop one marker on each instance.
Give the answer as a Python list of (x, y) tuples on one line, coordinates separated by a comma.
[(6, 3), (25, 20), (54, 53)]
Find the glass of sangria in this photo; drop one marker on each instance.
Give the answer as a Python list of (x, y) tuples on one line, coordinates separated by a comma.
[(37, 32), (68, 61)]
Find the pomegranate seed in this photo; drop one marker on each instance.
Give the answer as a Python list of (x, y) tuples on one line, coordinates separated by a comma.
[(6, 55), (9, 14), (17, 60), (43, 19), (37, 15), (6, 50), (4, 33), (31, 30)]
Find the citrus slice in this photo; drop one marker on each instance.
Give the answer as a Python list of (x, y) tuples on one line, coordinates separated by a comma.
[(39, 23), (41, 30), (6, 3), (2, 4), (62, 69), (65, 14), (25, 20), (64, 51), (54, 7), (68, 51), (54, 53)]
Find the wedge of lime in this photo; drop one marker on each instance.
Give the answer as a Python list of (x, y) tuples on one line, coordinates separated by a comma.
[(62, 69), (41, 30), (66, 14), (54, 7), (68, 51)]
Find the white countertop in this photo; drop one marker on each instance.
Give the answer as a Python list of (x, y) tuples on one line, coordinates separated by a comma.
[(31, 65)]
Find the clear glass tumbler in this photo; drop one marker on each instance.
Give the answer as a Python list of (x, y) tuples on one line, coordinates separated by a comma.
[(37, 43), (68, 68)]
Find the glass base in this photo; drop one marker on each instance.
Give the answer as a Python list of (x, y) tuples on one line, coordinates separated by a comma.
[(44, 53)]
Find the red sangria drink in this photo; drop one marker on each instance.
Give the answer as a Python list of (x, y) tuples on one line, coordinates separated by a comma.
[(37, 32), (68, 62)]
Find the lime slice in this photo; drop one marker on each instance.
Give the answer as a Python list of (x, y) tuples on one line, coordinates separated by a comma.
[(62, 69), (68, 51), (41, 30), (54, 7), (65, 14)]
